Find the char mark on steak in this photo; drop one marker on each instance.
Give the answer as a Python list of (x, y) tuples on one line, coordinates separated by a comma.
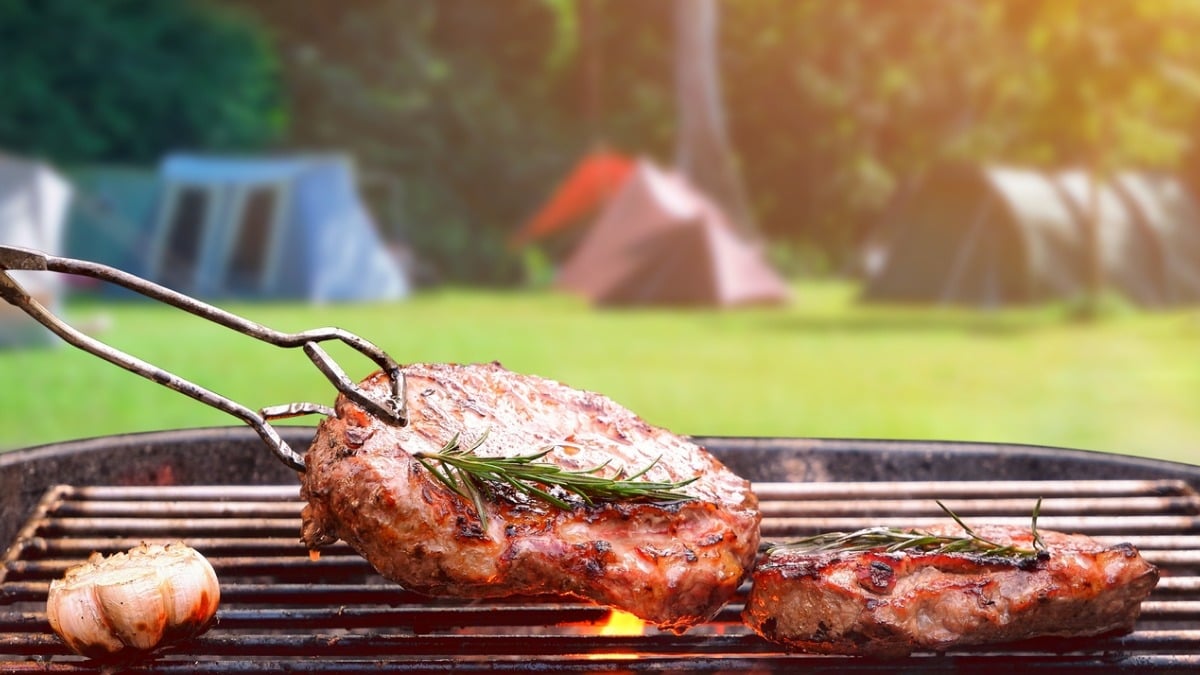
[(672, 564), (882, 603)]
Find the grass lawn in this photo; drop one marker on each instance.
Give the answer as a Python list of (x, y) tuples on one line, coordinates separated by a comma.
[(824, 366)]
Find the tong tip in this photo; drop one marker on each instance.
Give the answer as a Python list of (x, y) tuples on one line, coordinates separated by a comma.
[(17, 258)]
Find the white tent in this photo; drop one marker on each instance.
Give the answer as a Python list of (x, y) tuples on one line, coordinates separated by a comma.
[(1164, 204), (33, 207), (287, 228), (990, 236)]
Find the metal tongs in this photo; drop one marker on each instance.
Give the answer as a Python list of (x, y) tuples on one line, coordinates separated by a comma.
[(391, 409)]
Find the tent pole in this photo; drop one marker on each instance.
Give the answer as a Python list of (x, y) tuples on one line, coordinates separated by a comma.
[(960, 260)]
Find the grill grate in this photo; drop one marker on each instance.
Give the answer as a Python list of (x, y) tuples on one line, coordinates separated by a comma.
[(282, 610)]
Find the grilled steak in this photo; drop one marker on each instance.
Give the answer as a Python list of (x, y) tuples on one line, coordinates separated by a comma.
[(889, 604), (672, 564)]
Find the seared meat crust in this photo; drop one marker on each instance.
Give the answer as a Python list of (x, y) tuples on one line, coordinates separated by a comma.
[(889, 604), (673, 565)]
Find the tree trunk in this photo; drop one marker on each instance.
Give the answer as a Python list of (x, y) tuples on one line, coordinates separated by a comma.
[(703, 151)]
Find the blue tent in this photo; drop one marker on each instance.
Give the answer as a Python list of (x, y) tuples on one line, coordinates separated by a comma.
[(112, 217), (281, 228)]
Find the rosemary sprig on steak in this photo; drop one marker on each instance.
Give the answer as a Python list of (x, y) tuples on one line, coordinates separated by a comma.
[(891, 540), (471, 476)]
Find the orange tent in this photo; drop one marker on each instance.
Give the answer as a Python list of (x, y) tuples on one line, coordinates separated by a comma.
[(590, 184), (661, 242)]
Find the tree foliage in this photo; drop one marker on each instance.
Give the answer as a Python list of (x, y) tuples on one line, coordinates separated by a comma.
[(443, 104), (858, 98), (463, 114), (126, 80)]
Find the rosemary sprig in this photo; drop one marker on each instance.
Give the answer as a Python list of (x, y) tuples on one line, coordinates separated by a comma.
[(891, 540), (472, 477)]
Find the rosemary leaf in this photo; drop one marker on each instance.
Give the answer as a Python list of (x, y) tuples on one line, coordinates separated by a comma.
[(893, 540), (1037, 537), (469, 475)]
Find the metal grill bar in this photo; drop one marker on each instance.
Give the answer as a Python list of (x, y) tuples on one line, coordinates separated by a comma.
[(950, 489), (250, 565), (767, 491), (1179, 585), (1093, 525), (283, 610), (1122, 506), (192, 509), (418, 618), (259, 493), (50, 547), (691, 664), (272, 593), (516, 645), (163, 527)]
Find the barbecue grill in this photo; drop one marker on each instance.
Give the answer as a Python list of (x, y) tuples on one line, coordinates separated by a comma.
[(217, 490), (283, 609)]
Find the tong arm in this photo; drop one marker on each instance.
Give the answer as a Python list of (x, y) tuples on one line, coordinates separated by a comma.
[(16, 258), (392, 409)]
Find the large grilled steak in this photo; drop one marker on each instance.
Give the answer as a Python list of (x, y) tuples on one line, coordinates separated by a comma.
[(889, 604), (672, 564)]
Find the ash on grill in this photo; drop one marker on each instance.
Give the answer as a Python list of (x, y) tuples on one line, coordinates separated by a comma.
[(284, 610)]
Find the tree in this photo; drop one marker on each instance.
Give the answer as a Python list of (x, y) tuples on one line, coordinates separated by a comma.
[(1110, 102), (837, 105), (703, 150), (126, 80), (442, 103)]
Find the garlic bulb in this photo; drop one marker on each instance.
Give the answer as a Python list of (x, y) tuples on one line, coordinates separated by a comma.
[(132, 602)]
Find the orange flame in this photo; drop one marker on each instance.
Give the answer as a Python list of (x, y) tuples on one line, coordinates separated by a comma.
[(619, 624), (622, 623)]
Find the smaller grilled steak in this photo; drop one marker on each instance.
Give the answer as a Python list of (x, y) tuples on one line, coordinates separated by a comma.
[(889, 604)]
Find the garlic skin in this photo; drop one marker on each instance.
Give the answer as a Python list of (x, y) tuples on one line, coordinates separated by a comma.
[(132, 602)]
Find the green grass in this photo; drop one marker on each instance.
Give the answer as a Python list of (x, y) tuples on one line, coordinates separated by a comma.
[(826, 366)]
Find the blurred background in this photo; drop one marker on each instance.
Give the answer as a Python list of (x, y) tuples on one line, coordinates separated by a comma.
[(837, 218)]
